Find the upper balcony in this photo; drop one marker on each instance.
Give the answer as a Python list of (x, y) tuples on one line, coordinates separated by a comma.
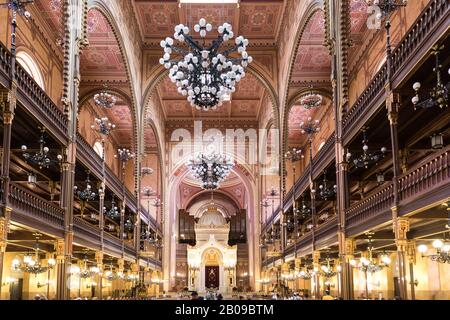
[(424, 33)]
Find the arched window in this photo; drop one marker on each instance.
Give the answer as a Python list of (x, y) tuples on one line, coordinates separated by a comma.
[(98, 148), (30, 66)]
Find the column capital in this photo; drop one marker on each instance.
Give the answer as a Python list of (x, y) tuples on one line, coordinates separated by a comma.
[(121, 263), (400, 228), (349, 250), (60, 248), (8, 117), (316, 257), (392, 104)]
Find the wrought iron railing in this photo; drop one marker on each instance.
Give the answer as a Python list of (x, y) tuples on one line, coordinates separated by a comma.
[(26, 202), (380, 201), (429, 174), (435, 12)]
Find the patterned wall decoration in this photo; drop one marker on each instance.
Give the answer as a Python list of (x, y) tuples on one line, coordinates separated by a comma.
[(260, 20), (156, 19), (51, 12), (313, 61), (255, 20), (103, 56)]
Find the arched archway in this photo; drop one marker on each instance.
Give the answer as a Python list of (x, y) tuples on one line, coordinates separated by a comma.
[(171, 228)]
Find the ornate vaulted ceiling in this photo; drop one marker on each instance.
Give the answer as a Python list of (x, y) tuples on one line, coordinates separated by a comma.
[(254, 19), (313, 61), (102, 59)]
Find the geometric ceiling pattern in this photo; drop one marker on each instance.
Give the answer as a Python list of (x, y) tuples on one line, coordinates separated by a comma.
[(358, 19), (51, 12), (358, 23), (313, 61), (253, 19), (102, 59)]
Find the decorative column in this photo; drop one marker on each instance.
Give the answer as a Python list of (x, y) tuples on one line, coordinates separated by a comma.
[(135, 270), (62, 271), (8, 105), (294, 155), (120, 269), (316, 266), (393, 104), (347, 269), (101, 217), (4, 228), (99, 261), (75, 29), (104, 128), (401, 227), (411, 253)]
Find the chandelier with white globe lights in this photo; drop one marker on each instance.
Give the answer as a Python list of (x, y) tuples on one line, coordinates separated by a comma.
[(206, 74), (210, 169)]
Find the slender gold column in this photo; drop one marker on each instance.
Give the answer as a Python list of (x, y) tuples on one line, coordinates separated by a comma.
[(347, 270), (411, 253), (4, 227), (316, 265), (401, 227), (99, 260)]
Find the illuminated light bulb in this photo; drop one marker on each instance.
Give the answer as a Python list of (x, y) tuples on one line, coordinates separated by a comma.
[(422, 248), (437, 244), (51, 262), (385, 259)]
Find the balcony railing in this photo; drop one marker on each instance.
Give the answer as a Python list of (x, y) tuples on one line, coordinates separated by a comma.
[(380, 201), (113, 182), (88, 156), (40, 105), (5, 63), (37, 208), (86, 231), (431, 173), (433, 16), (112, 243)]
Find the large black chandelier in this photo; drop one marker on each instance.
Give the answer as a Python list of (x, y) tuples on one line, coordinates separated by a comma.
[(309, 127), (86, 194), (326, 192), (210, 168), (31, 262), (367, 159), (204, 74), (439, 93), (105, 99), (103, 126), (370, 264), (304, 211), (129, 224), (114, 212), (40, 158)]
